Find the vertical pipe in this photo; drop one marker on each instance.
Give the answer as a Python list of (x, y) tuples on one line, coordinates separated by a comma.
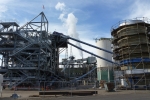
[(108, 75), (100, 73)]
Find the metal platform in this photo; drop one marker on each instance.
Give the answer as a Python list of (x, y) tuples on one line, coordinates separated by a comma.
[(66, 93)]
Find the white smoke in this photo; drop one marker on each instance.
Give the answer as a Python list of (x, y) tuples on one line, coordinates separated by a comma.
[(70, 22)]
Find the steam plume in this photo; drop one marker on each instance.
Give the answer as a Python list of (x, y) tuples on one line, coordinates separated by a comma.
[(70, 23)]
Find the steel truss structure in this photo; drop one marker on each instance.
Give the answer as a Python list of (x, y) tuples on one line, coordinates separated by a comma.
[(79, 68), (29, 53)]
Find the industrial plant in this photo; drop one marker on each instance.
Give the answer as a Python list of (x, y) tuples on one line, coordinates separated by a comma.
[(30, 57)]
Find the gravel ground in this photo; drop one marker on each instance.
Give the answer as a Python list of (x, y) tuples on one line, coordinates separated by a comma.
[(102, 95)]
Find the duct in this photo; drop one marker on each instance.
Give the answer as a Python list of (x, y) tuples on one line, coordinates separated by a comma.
[(92, 54), (137, 71)]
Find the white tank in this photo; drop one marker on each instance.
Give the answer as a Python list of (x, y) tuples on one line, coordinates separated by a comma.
[(104, 43)]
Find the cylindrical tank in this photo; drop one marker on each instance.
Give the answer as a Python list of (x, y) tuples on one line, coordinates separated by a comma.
[(104, 43), (131, 47), (104, 68)]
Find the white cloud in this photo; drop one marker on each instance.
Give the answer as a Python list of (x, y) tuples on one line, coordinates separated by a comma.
[(3, 8), (60, 6), (140, 8)]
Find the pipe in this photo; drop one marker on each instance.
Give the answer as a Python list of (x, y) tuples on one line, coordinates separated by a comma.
[(84, 74), (92, 53), (88, 44)]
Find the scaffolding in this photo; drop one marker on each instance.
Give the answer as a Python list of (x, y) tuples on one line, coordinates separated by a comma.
[(131, 47)]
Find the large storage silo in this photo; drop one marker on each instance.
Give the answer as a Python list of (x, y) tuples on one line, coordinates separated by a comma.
[(131, 40), (104, 68)]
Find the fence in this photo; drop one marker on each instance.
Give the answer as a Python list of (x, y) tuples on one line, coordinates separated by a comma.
[(82, 87)]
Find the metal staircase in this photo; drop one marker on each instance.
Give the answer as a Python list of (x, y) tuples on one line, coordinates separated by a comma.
[(24, 61), (18, 50), (18, 82)]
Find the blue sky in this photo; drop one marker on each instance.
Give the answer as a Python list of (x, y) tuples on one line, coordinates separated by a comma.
[(94, 17)]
